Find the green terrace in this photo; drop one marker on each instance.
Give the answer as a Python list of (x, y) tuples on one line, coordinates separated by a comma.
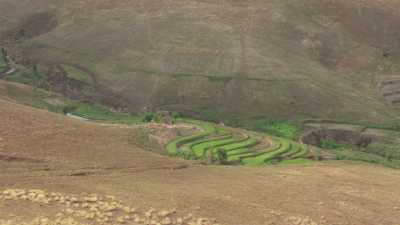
[(235, 148)]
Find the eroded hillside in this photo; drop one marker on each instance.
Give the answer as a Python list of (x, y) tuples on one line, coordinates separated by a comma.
[(288, 58)]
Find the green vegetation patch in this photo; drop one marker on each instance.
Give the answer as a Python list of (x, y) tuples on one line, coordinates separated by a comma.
[(30, 77), (173, 148), (249, 142), (238, 152), (3, 65), (37, 97), (77, 74), (275, 127), (281, 128), (227, 148), (388, 151), (200, 150), (348, 154), (238, 157), (304, 151), (101, 113), (331, 144), (3, 61), (265, 157), (189, 146)]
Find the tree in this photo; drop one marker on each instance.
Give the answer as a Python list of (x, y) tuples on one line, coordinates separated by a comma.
[(222, 157), (148, 117)]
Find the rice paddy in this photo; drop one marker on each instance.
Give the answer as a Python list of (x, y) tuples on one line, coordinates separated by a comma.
[(237, 148)]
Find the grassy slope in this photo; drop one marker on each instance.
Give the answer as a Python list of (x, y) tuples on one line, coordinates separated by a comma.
[(53, 102), (77, 74), (101, 113), (292, 59)]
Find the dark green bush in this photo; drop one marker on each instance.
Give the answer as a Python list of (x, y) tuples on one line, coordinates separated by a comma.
[(149, 117), (222, 157), (69, 108), (186, 155)]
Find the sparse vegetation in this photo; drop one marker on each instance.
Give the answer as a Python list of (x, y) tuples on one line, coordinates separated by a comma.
[(30, 77), (331, 144), (392, 124), (278, 128), (148, 117), (77, 74), (349, 154), (381, 140), (101, 113)]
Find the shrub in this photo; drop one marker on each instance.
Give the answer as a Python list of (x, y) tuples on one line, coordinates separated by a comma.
[(148, 117), (222, 157), (188, 155), (69, 108)]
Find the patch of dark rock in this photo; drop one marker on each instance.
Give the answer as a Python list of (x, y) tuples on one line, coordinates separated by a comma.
[(348, 137)]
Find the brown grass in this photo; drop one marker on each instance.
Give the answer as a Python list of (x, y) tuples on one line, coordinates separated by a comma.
[(75, 157), (288, 58)]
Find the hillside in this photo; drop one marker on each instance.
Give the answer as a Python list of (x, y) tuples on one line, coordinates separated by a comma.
[(216, 59), (48, 157), (199, 112)]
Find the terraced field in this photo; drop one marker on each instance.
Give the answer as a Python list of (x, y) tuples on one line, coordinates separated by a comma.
[(235, 148)]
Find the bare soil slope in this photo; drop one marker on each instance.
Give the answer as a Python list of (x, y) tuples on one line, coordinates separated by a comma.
[(65, 157), (289, 58)]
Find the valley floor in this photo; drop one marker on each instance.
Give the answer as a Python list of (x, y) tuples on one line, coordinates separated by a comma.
[(57, 154)]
